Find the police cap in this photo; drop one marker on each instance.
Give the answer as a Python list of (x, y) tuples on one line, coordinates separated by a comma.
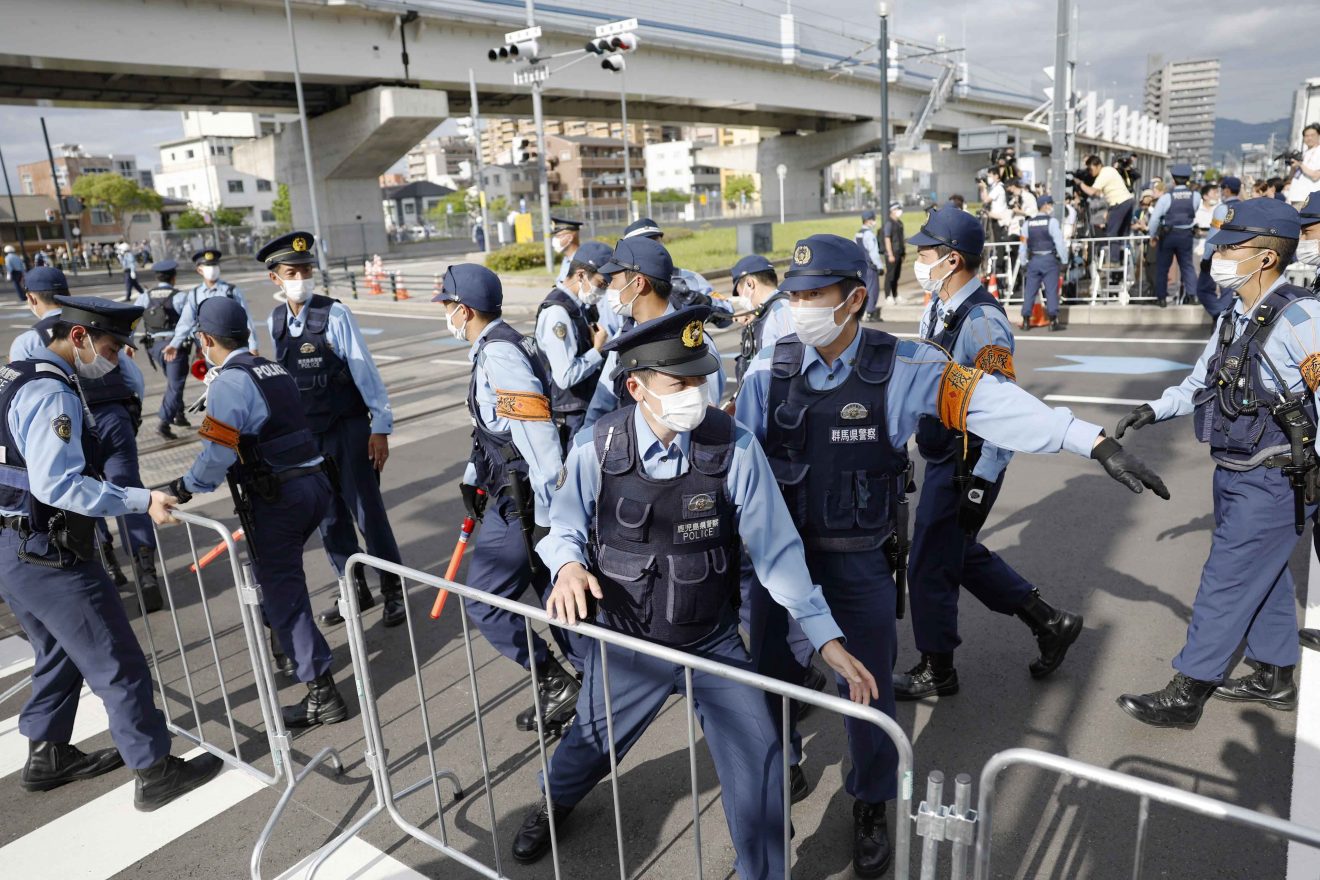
[(594, 254), (46, 279), (1264, 216), (644, 255), (207, 257), (165, 267), (951, 227), (472, 285), (643, 227), (821, 260), (564, 224), (294, 249), (1042, 201), (1232, 184), (222, 316), (1310, 212), (1182, 169), (868, 214), (751, 264), (674, 344), (116, 319)]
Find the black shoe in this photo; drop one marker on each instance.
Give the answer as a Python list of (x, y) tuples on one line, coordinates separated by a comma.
[(816, 680), (1271, 685), (1055, 632), (1026, 325), (1178, 705), (1055, 326), (151, 598), (871, 850), (934, 676), (164, 430), (283, 663), (181, 421), (558, 692), (1309, 638), (1164, 304), (112, 566), (798, 789), (533, 838), (50, 765), (172, 777), (322, 705), (331, 615), (391, 589)]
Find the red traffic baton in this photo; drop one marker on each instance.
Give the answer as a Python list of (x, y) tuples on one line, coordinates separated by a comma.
[(456, 560)]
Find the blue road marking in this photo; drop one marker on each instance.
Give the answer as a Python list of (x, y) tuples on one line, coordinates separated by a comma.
[(1115, 366)]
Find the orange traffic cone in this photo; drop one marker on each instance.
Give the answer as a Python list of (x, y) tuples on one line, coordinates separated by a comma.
[(992, 286), (373, 285), (1038, 317), (401, 291)]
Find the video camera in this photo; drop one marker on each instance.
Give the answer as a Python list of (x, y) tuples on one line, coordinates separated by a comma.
[(1287, 157)]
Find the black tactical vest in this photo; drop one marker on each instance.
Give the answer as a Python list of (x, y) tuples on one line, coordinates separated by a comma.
[(934, 441), (494, 453), (323, 378), (284, 441), (160, 315), (666, 551), (830, 450), (1181, 211), (576, 398), (110, 388), (1039, 240)]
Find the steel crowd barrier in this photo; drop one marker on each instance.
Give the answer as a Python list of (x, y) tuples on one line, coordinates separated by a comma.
[(376, 753), (1090, 260)]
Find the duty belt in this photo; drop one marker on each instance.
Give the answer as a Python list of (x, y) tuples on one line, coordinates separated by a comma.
[(16, 522), (1041, 253), (294, 473)]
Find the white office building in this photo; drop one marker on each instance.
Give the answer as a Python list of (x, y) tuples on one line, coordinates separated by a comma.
[(672, 165)]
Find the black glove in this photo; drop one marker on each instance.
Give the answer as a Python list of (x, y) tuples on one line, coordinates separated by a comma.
[(179, 491), (474, 504), (1127, 468), (974, 506), (1138, 418)]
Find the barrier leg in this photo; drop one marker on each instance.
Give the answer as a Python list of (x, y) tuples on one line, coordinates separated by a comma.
[(545, 758), (962, 802), (929, 826), (614, 760), (692, 766), (1143, 816)]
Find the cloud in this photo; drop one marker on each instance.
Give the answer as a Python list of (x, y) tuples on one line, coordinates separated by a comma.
[(98, 131)]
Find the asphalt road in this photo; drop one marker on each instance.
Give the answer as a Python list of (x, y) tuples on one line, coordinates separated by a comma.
[(1129, 563)]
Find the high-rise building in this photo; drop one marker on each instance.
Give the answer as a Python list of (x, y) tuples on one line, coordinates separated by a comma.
[(499, 137), (1182, 95)]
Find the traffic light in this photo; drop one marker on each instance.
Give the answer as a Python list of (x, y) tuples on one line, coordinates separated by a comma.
[(621, 44), (524, 50), (599, 46), (613, 63), (524, 152)]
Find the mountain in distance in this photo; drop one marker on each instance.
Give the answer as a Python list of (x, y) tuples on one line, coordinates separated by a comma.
[(1231, 134)]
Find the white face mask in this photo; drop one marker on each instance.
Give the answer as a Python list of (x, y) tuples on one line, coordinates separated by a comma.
[(815, 324), (559, 245), (206, 356), (1308, 252), (621, 308), (1225, 271), (210, 273), (100, 364), (458, 331), (298, 289), (922, 272), (589, 293), (683, 410)]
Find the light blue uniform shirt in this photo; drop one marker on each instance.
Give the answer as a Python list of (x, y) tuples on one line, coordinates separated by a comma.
[(28, 344), (872, 247), (345, 339), (128, 262), (176, 303), (54, 465), (1221, 210), (232, 398), (604, 401), (502, 367), (999, 412), (1162, 206), (1294, 336), (763, 522), (1056, 234), (13, 263), (778, 323), (567, 368), (187, 325), (984, 325)]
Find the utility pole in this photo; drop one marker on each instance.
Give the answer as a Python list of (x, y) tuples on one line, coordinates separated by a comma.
[(18, 226), (627, 147), (540, 156), (322, 252), (1060, 112), (481, 178), (883, 10), (59, 195)]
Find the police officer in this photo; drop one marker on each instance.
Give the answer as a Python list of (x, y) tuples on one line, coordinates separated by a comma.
[(163, 305), (875, 265), (834, 405), (1308, 247), (515, 462), (15, 269), (686, 286), (569, 337), (565, 240), (895, 250), (754, 279), (347, 408), (1043, 253), (670, 484), (1253, 395), (115, 401), (256, 436), (1171, 223), (50, 576), (641, 273), (963, 474), (207, 263), (128, 262), (1212, 299)]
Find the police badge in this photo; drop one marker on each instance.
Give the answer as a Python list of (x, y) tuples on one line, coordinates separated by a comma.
[(62, 425), (700, 503), (307, 348), (854, 411), (802, 255), (561, 330)]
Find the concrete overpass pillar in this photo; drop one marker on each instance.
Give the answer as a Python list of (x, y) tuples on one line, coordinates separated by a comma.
[(351, 147)]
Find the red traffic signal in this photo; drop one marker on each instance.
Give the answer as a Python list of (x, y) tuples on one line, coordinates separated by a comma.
[(626, 42)]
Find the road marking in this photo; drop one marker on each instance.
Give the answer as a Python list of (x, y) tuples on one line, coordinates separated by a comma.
[(1114, 366), (371, 331), (459, 361), (106, 835), (1073, 398), (1303, 861), (356, 860), (90, 721), (15, 655), (1117, 340), (409, 317), (386, 357)]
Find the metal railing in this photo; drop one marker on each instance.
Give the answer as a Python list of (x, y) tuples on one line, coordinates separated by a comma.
[(387, 798)]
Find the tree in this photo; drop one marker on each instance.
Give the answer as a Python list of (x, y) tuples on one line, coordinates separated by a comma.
[(194, 219), (117, 196), (282, 208), (850, 186), (739, 187), (458, 201), (668, 194)]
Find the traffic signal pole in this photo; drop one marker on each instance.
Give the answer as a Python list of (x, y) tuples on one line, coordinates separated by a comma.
[(541, 158)]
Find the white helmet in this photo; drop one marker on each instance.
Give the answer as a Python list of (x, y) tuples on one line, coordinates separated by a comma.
[(9, 248)]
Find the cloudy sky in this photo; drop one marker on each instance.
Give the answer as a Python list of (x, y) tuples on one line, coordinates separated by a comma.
[(1265, 54)]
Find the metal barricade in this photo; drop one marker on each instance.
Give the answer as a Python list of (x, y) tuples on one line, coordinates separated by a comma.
[(376, 753), (1125, 281)]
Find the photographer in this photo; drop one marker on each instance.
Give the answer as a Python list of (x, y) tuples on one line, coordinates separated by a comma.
[(1305, 169), (994, 204), (1108, 183)]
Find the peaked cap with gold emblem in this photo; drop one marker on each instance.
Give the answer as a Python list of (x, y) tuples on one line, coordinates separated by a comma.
[(674, 344), (821, 260), (295, 249)]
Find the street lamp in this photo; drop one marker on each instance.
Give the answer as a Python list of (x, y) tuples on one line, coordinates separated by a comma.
[(781, 171), (882, 10)]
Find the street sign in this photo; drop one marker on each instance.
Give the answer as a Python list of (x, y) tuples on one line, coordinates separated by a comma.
[(531, 33), (982, 140), (531, 75), (616, 27), (781, 170)]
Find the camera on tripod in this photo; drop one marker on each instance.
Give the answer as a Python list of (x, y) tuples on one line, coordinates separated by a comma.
[(1287, 157)]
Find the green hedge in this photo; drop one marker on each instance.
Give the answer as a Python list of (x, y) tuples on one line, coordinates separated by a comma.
[(517, 257)]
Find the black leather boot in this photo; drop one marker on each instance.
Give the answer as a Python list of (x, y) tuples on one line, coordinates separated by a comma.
[(283, 663), (331, 615), (151, 598), (322, 705), (391, 589), (1026, 325), (871, 850), (533, 838), (181, 421), (816, 680), (1178, 705), (112, 565), (934, 676), (1271, 685), (1055, 326), (50, 765), (1309, 638), (1055, 632), (171, 778), (558, 691), (163, 430)]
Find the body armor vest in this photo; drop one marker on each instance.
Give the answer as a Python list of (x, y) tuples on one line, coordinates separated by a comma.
[(494, 453), (576, 398), (328, 391)]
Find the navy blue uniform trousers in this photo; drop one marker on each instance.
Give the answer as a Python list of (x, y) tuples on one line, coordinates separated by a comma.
[(17, 280), (1118, 223), (176, 376), (859, 589), (358, 499), (798, 643), (79, 631), (943, 558), (282, 528), (1042, 271), (498, 564), (1246, 589), (742, 737), (1175, 243), (131, 284), (872, 287), (116, 443)]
